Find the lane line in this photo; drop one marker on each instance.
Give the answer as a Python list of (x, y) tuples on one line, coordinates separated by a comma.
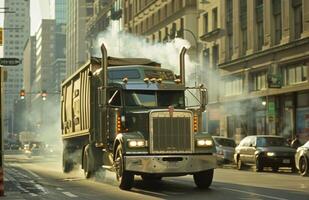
[(32, 173), (69, 194), (59, 188), (255, 194)]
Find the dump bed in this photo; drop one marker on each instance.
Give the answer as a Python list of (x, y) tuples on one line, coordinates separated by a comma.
[(76, 104)]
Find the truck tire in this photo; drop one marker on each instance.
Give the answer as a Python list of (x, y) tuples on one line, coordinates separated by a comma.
[(203, 179), (124, 177), (67, 164), (88, 172)]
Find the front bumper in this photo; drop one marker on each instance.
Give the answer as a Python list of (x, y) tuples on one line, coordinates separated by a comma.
[(278, 161), (172, 164)]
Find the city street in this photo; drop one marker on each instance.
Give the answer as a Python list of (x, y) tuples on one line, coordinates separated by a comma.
[(42, 178)]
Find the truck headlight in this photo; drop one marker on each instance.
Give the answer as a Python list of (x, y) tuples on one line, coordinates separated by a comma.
[(270, 154), (133, 143), (204, 142)]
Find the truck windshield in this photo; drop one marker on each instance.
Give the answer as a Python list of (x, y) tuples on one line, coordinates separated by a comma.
[(155, 98)]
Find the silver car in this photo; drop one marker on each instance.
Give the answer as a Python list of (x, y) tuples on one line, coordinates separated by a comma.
[(225, 149), (302, 159)]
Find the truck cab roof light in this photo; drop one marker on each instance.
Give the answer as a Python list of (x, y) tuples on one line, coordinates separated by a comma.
[(146, 80), (125, 80), (159, 80), (153, 80), (177, 81)]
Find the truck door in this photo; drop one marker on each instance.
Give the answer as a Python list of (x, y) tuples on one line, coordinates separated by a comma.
[(114, 113)]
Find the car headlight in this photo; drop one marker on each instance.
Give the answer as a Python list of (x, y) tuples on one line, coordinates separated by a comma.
[(137, 143), (270, 154), (204, 142)]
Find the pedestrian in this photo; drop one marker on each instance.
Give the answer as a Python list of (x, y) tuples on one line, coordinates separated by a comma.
[(295, 143)]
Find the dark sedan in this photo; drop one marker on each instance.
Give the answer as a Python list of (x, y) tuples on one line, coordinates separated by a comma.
[(302, 159), (264, 151)]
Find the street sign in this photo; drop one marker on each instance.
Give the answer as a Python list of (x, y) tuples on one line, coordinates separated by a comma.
[(9, 61), (274, 81)]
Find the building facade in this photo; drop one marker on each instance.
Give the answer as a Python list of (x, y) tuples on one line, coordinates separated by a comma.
[(163, 20), (16, 33), (78, 13), (263, 67)]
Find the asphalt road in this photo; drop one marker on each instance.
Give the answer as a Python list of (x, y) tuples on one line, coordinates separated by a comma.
[(42, 178)]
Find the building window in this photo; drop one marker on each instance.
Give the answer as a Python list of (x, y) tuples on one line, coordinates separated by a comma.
[(277, 20), (233, 86), (215, 56), (206, 23), (258, 81), (298, 18), (214, 18), (243, 26), (205, 58), (259, 23), (229, 27), (294, 74)]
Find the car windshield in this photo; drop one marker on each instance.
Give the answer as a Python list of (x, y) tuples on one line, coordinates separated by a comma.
[(271, 141), (155, 98), (225, 142)]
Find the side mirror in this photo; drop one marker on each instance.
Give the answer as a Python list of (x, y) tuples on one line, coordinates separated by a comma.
[(203, 99)]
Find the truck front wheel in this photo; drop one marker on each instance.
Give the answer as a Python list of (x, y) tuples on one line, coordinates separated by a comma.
[(124, 177), (203, 179)]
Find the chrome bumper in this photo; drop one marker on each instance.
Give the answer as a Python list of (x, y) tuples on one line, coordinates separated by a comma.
[(162, 164)]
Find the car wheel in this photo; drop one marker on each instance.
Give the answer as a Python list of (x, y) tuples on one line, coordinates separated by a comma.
[(258, 165), (239, 164), (303, 166), (124, 178), (203, 179)]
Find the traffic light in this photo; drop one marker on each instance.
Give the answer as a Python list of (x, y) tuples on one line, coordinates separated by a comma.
[(44, 95), (22, 94)]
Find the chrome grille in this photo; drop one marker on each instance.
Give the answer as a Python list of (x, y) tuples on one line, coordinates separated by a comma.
[(171, 133)]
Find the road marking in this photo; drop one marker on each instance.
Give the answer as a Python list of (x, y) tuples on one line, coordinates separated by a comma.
[(256, 194), (33, 174), (69, 194), (40, 187), (59, 188)]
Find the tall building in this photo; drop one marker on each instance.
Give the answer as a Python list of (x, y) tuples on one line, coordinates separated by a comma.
[(79, 13), (263, 67), (60, 11), (17, 32), (59, 64), (44, 74)]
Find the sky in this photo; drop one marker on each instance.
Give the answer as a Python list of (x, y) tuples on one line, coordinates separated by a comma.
[(39, 9)]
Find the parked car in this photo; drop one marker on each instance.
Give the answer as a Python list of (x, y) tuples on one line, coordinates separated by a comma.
[(302, 159), (264, 151), (225, 149)]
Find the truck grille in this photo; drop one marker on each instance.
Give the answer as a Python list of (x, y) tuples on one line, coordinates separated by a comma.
[(171, 134)]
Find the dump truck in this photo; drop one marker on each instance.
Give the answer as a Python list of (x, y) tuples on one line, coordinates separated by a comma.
[(129, 116)]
